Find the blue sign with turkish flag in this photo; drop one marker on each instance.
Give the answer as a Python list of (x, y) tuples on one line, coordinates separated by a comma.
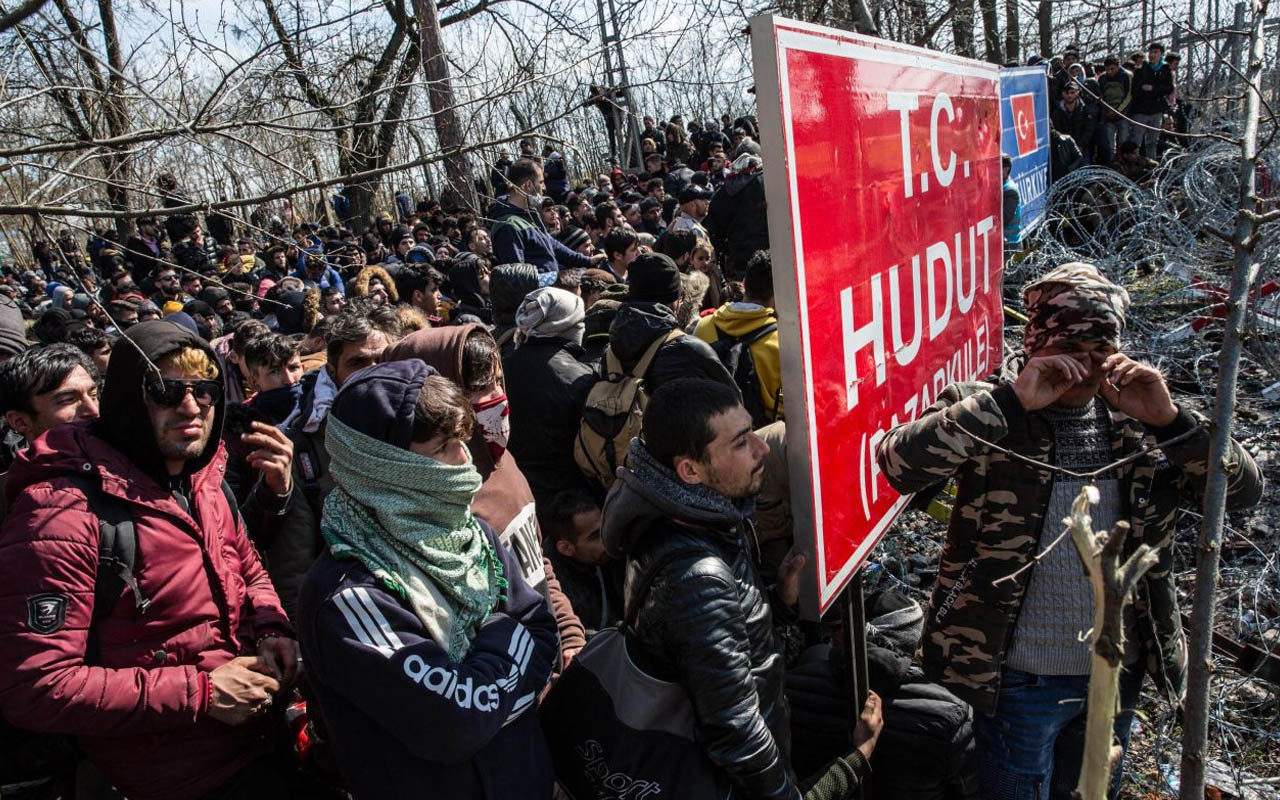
[(1024, 137)]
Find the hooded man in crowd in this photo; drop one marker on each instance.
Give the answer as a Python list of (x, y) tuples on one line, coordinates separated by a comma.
[(172, 703), (1002, 634), (548, 386), (649, 312)]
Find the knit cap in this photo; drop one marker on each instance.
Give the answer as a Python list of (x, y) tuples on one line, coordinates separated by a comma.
[(654, 278), (1073, 303)]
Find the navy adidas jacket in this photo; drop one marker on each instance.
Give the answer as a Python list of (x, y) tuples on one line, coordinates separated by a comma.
[(405, 722)]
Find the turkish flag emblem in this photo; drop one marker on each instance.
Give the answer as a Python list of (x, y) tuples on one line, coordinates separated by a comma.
[(1022, 108)]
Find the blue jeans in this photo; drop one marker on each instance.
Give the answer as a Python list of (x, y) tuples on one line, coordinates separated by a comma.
[(1031, 748)]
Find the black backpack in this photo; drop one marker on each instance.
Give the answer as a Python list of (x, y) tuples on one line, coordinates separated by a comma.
[(735, 353), (37, 763), (44, 764)]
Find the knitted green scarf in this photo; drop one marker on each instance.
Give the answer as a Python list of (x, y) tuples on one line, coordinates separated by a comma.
[(408, 519)]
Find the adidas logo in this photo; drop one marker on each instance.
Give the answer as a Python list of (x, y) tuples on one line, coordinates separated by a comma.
[(445, 683)]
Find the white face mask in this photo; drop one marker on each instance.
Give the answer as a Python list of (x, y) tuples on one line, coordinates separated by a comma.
[(495, 424), (533, 201)]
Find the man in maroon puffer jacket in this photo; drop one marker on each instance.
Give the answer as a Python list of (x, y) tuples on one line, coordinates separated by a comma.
[(169, 700)]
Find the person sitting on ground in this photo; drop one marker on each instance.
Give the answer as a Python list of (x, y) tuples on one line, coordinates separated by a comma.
[(1135, 166), (426, 649)]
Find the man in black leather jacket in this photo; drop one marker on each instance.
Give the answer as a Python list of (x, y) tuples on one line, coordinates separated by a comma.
[(680, 510)]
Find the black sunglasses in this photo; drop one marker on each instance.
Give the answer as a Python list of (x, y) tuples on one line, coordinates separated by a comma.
[(169, 393)]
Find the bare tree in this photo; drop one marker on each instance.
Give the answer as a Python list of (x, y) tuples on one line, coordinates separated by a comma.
[(460, 190), (1012, 31), (992, 50), (1243, 276), (1044, 17), (962, 28), (364, 127)]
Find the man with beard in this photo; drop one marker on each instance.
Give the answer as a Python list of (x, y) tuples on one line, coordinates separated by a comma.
[(173, 703), (680, 517)]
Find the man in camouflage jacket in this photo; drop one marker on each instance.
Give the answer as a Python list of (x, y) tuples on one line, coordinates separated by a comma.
[(1002, 506)]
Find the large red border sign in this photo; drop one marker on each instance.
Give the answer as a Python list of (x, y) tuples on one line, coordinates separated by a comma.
[(882, 169)]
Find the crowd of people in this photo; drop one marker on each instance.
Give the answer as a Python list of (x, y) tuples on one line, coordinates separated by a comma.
[(1125, 115), (292, 510)]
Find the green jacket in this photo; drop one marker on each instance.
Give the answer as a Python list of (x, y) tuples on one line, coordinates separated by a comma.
[(999, 511)]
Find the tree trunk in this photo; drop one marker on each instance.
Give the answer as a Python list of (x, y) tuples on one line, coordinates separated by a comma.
[(1044, 14), (457, 166), (962, 28), (361, 196), (117, 164), (1012, 32), (863, 22), (991, 32), (1195, 732)]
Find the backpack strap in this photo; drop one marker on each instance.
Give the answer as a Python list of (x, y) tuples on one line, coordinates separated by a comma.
[(642, 366), (750, 337), (117, 549), (646, 582), (234, 505), (760, 333), (506, 336)]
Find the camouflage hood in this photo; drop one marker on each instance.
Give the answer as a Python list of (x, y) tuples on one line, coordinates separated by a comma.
[(1073, 303)]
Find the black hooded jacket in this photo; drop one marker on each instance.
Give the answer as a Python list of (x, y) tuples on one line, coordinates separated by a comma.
[(738, 222), (706, 622), (638, 324), (508, 285), (547, 386)]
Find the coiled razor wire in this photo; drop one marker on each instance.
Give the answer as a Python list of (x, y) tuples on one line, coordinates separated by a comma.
[(1163, 240)]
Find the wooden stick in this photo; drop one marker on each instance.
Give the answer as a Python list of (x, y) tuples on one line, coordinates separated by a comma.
[(1113, 583)]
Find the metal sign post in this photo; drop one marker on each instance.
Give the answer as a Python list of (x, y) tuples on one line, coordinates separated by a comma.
[(855, 634)]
